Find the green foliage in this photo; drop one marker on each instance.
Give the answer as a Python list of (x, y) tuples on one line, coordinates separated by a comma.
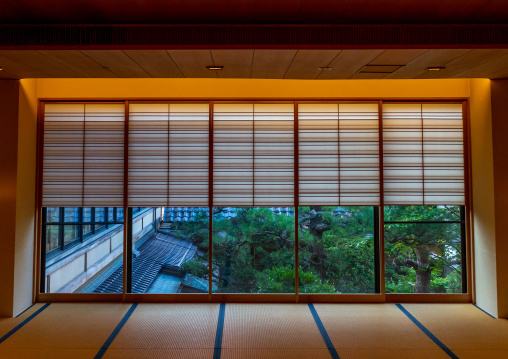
[(343, 257), (253, 250), (412, 250)]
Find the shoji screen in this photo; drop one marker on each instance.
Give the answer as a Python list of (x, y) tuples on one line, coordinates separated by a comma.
[(338, 154), (168, 154), (83, 155), (253, 158), (423, 154)]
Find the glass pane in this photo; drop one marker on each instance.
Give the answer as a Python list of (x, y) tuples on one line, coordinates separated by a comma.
[(87, 214), (111, 215), (170, 247), (119, 214), (71, 234), (71, 215), (51, 238), (53, 215), (100, 217), (336, 249), (91, 266), (253, 250), (423, 256)]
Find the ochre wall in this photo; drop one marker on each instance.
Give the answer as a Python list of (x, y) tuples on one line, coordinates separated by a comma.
[(483, 197), (500, 143), (25, 198), (482, 169), (239, 88)]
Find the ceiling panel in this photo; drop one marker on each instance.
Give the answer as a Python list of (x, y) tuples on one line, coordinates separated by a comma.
[(397, 57), (465, 62), (19, 71), (348, 63), (276, 64), (306, 63), (237, 63), (192, 63), (271, 64), (157, 63), (40, 62), (79, 62), (487, 68), (117, 62), (430, 58)]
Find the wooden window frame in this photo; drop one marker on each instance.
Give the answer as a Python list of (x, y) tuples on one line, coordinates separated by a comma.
[(296, 297)]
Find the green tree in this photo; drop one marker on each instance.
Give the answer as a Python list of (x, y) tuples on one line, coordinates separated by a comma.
[(337, 245), (419, 254)]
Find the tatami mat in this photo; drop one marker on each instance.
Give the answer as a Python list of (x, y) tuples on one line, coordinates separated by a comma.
[(462, 326), (392, 354), (145, 353), (371, 326), (481, 354), (357, 331), (270, 326), (47, 353), (175, 326), (69, 326), (275, 353), (7, 324)]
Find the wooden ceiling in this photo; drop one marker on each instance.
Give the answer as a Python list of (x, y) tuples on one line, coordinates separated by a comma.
[(253, 12), (268, 64)]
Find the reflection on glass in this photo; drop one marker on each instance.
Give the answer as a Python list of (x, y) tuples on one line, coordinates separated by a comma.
[(71, 233), (336, 253), (170, 254), (78, 259), (422, 250), (71, 215), (53, 214), (51, 238), (253, 250)]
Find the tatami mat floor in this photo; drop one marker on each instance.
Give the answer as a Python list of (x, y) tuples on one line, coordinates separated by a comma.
[(104, 330)]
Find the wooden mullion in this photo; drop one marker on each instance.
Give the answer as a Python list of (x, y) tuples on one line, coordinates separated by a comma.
[(210, 199), (126, 239), (296, 162)]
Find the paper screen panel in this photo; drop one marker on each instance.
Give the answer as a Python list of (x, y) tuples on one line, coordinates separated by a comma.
[(233, 155), (318, 139), (338, 154), (443, 154), (148, 154), (104, 155), (64, 130), (253, 154), (188, 154), (359, 154), (423, 154), (83, 155), (168, 154), (273, 155)]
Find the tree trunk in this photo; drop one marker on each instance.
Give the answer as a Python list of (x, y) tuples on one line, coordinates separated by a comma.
[(424, 270), (422, 280)]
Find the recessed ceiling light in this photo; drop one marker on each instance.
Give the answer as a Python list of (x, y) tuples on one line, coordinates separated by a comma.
[(435, 68), (380, 69), (1, 68), (215, 67)]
